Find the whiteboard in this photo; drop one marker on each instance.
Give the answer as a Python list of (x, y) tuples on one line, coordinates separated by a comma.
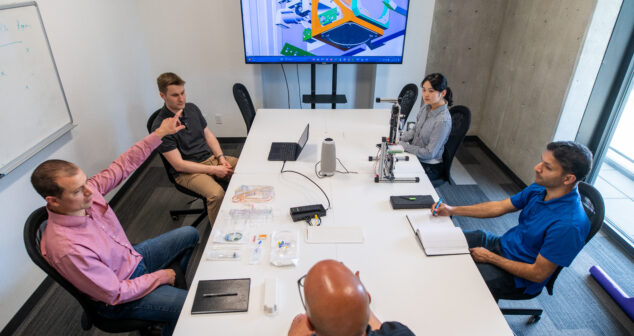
[(33, 107)]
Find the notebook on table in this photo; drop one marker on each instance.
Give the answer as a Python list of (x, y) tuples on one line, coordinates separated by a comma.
[(222, 296), (288, 151), (438, 239)]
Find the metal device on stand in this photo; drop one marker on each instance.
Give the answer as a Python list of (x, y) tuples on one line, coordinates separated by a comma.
[(386, 160)]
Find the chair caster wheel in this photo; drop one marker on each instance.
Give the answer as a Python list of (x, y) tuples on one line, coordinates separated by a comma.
[(533, 319)]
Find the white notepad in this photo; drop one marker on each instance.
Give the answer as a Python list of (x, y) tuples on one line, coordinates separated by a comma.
[(439, 239), (340, 234)]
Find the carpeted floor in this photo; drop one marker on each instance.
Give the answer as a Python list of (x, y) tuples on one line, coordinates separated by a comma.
[(579, 305)]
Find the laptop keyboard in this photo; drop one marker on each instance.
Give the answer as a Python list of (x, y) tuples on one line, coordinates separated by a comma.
[(287, 151)]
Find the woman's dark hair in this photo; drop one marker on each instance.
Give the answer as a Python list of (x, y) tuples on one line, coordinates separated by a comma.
[(439, 83)]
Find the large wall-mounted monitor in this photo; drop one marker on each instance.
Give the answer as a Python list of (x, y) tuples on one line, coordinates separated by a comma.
[(324, 31)]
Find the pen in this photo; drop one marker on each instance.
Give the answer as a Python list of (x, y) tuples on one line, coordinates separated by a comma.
[(437, 205), (219, 294)]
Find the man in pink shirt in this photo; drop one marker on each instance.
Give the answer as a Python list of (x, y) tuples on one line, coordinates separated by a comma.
[(86, 244)]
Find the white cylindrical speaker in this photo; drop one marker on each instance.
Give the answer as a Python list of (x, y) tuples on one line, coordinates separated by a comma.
[(328, 157)]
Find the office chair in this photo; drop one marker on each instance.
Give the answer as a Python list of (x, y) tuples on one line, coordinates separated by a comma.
[(33, 230), (460, 123), (408, 96), (243, 99), (168, 169), (595, 210)]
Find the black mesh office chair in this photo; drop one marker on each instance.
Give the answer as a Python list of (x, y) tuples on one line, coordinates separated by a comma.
[(243, 99), (408, 96), (460, 123), (33, 230), (595, 210), (168, 169)]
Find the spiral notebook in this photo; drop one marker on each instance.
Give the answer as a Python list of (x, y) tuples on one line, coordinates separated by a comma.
[(222, 296)]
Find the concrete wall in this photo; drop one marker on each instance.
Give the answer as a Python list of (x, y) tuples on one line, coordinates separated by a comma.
[(524, 57), (533, 68), (463, 46)]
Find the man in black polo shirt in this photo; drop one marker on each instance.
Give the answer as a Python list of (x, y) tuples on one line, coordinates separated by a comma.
[(194, 152)]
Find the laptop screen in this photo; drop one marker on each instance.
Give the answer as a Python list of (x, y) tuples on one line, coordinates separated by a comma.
[(304, 138)]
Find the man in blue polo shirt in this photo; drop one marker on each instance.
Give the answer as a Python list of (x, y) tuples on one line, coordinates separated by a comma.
[(552, 226)]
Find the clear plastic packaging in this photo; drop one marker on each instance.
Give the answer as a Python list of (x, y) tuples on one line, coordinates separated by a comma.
[(257, 253), (253, 194), (285, 248), (223, 253), (231, 235), (251, 215)]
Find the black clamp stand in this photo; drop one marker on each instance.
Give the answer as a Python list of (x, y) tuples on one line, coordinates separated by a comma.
[(333, 98)]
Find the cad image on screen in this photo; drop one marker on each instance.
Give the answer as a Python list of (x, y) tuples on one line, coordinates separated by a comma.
[(324, 31)]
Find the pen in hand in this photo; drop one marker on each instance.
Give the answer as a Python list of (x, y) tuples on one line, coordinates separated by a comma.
[(437, 205), (219, 294)]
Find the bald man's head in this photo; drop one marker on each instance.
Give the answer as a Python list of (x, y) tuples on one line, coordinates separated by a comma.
[(336, 301)]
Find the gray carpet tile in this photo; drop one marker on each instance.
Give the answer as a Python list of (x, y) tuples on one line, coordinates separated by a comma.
[(579, 305), (472, 194), (58, 313), (461, 194), (466, 157), (510, 188)]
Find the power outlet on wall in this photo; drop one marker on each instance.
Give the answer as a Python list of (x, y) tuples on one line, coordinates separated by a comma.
[(218, 118)]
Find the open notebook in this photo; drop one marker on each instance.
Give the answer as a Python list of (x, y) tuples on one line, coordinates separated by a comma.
[(438, 239)]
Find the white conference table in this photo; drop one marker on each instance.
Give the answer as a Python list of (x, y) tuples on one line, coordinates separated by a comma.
[(441, 295)]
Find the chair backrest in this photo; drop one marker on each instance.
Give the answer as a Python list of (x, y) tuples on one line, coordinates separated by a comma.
[(408, 96), (169, 170), (460, 123), (33, 230), (168, 167), (592, 202), (245, 104)]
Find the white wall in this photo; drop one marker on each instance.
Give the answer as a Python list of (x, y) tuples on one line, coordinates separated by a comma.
[(390, 79), (109, 54), (201, 41), (101, 60)]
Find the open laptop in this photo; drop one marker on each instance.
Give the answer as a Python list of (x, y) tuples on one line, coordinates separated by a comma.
[(288, 151)]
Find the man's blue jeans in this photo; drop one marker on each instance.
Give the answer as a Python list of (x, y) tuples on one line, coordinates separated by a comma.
[(500, 282), (165, 302)]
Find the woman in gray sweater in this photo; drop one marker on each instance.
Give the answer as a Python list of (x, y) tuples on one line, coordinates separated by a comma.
[(433, 124)]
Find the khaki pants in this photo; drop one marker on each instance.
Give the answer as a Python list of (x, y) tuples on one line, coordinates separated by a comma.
[(207, 186)]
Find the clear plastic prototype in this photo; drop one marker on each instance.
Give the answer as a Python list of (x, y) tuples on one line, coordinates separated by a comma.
[(253, 194)]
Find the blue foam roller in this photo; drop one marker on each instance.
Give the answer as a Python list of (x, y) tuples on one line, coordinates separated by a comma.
[(610, 286)]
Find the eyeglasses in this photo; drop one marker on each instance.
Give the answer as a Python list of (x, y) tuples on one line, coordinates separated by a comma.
[(300, 288)]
